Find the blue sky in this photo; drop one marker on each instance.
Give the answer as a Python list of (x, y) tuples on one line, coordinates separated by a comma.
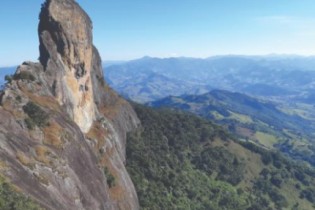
[(125, 29)]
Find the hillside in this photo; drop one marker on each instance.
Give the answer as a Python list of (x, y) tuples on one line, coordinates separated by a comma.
[(180, 161), (250, 119), (283, 78)]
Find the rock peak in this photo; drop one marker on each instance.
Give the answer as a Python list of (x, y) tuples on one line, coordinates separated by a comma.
[(70, 29), (66, 52), (62, 129)]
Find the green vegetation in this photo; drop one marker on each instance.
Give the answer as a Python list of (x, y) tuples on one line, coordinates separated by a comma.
[(25, 75), (11, 200), (220, 160), (8, 78), (180, 161), (37, 116), (266, 139), (242, 118), (251, 119), (111, 180), (18, 98)]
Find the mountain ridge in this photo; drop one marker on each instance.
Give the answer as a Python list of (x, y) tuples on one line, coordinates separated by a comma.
[(246, 74), (250, 119)]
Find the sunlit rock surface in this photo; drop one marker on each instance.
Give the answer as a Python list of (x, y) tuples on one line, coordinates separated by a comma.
[(61, 126)]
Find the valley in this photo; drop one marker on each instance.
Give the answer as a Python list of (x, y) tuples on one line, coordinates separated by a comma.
[(257, 121), (287, 79), (266, 100), (211, 143), (179, 161), (230, 132)]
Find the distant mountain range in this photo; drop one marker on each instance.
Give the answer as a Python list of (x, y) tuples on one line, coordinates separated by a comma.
[(220, 105), (279, 77), (178, 160), (285, 86), (268, 100), (147, 79)]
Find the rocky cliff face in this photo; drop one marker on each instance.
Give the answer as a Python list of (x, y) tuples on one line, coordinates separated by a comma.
[(66, 52), (62, 129)]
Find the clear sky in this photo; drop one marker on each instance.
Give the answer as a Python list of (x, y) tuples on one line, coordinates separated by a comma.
[(128, 29)]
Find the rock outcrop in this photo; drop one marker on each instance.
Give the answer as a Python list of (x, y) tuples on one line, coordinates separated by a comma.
[(66, 52), (62, 129)]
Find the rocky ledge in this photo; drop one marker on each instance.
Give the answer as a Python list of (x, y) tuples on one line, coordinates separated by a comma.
[(62, 129)]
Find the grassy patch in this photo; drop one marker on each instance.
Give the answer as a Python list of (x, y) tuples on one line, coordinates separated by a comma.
[(12, 200), (240, 117), (24, 160), (42, 154), (45, 101), (217, 115), (53, 134), (98, 133), (266, 139)]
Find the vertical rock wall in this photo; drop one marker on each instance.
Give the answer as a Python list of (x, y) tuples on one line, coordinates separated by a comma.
[(62, 129)]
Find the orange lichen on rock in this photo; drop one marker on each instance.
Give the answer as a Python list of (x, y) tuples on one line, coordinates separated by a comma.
[(49, 113), (42, 154), (3, 165), (117, 190), (52, 135), (98, 133), (23, 159), (44, 101), (10, 106)]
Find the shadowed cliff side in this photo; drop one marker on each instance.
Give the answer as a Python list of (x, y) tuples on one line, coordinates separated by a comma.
[(62, 129)]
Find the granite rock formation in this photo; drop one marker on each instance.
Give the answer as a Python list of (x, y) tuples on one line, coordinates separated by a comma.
[(62, 129)]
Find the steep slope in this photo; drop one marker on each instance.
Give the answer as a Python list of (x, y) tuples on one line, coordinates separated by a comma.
[(180, 161), (62, 129), (251, 119)]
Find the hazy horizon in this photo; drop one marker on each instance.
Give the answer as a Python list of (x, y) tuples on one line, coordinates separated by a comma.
[(206, 57), (127, 30)]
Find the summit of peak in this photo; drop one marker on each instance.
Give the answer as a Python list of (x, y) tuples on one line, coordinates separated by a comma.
[(68, 56), (66, 29)]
